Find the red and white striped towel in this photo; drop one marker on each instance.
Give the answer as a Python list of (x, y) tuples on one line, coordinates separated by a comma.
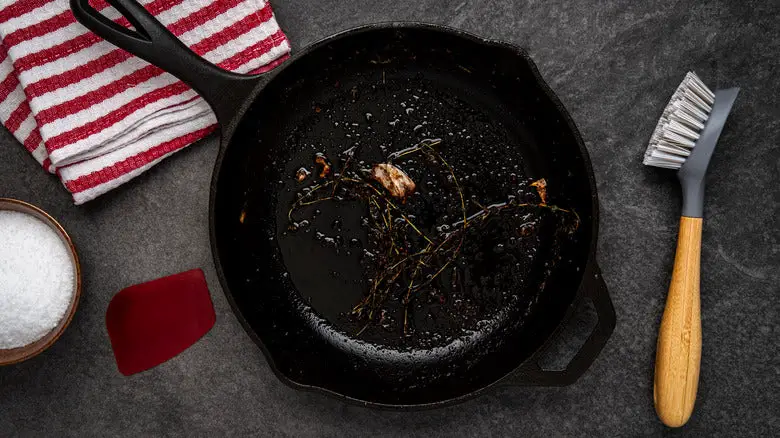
[(96, 115)]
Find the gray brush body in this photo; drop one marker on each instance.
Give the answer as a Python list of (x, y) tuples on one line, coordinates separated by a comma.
[(691, 174)]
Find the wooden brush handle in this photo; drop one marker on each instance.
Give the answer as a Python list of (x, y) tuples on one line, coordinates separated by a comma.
[(679, 340)]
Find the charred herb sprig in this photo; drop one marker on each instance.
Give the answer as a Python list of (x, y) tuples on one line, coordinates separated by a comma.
[(402, 250)]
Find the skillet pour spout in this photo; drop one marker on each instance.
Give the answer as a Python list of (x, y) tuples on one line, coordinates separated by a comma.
[(379, 89)]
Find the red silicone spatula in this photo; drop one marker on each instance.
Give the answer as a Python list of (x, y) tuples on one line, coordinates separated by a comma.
[(153, 322)]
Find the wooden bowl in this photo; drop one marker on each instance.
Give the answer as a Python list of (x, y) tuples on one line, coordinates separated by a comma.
[(15, 355)]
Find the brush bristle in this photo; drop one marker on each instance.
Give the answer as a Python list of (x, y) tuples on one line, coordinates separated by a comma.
[(681, 123)]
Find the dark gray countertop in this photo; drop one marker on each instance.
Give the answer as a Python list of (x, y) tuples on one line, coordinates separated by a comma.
[(614, 66)]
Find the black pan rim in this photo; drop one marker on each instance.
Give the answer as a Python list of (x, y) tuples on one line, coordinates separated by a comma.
[(228, 128)]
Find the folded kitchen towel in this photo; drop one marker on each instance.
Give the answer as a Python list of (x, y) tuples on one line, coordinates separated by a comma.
[(96, 115)]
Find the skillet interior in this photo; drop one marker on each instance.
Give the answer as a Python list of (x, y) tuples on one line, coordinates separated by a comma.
[(495, 93)]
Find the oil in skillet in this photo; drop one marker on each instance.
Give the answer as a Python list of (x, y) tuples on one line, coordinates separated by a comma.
[(366, 125)]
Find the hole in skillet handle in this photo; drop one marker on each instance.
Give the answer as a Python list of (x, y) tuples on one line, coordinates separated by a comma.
[(572, 335), (531, 373), (138, 37)]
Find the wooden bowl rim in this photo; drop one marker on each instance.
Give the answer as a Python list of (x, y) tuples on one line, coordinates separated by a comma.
[(20, 354)]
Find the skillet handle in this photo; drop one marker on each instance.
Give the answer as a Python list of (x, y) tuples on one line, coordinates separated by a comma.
[(532, 374), (151, 41)]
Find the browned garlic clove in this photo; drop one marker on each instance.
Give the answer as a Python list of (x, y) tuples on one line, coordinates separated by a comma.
[(394, 180)]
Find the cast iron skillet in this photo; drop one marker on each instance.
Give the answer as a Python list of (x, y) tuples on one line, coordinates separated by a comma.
[(392, 84)]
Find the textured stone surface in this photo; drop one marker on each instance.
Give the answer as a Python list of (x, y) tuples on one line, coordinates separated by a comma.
[(613, 64)]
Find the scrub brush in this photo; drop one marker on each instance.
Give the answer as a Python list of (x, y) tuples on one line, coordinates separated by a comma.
[(685, 139)]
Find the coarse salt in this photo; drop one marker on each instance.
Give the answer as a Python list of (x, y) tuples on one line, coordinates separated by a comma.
[(36, 279)]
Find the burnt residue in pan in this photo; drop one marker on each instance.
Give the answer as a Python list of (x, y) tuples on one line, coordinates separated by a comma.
[(463, 163)]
